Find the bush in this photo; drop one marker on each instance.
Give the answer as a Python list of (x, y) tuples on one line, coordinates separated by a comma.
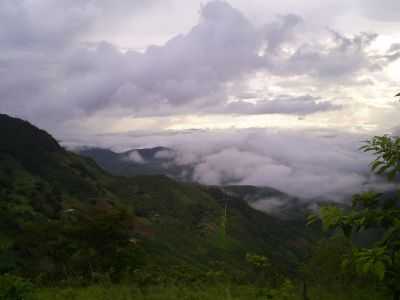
[(15, 288)]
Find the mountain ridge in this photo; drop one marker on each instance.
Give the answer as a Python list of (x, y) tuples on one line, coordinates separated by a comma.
[(263, 198)]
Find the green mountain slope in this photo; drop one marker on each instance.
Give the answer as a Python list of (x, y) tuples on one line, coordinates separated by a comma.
[(148, 161), (272, 201), (62, 216)]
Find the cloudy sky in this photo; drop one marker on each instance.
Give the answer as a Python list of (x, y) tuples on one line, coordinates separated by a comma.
[(129, 73)]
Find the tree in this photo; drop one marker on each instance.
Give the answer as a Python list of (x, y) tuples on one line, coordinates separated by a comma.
[(371, 210), (323, 267)]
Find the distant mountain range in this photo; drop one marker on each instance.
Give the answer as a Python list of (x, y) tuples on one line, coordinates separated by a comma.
[(161, 161), (149, 161)]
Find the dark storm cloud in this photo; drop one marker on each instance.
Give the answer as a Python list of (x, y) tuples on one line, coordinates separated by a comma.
[(51, 74)]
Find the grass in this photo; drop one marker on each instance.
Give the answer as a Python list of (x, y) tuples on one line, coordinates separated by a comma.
[(126, 292), (351, 294)]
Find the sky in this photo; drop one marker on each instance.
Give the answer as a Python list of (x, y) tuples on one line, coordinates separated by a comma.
[(309, 76)]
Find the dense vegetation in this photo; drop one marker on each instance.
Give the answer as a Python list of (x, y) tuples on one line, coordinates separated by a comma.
[(380, 257), (69, 230)]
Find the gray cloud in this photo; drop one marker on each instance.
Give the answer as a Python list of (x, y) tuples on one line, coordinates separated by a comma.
[(51, 74), (315, 165), (46, 23), (307, 165), (37, 24), (302, 105), (383, 10)]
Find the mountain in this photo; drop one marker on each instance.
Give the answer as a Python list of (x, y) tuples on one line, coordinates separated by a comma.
[(148, 161), (160, 161), (62, 216), (271, 201)]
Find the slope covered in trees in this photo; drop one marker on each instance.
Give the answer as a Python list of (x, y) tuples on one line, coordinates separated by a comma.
[(65, 223), (62, 216)]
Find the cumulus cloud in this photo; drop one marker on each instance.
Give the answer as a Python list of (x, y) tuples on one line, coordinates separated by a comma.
[(51, 74), (338, 56), (59, 67)]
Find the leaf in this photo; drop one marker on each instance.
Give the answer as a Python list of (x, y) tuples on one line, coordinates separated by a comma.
[(375, 164), (382, 169), (365, 268), (379, 270), (331, 216), (312, 218)]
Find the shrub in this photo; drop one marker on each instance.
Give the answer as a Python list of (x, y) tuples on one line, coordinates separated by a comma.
[(15, 288)]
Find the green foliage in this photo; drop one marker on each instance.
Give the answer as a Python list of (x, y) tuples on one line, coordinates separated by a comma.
[(15, 288), (258, 261), (387, 152), (324, 266), (82, 243), (371, 210), (371, 261), (286, 291)]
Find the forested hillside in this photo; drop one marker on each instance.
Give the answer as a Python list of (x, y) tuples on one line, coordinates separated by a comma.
[(62, 217), (67, 223)]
